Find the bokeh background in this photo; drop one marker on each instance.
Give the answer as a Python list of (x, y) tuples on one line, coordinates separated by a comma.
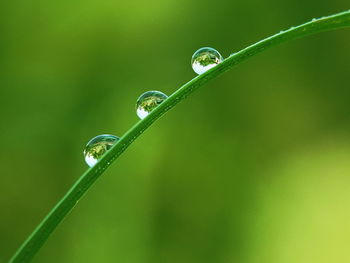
[(252, 168)]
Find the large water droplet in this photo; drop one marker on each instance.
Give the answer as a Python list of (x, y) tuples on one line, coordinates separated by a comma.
[(148, 101), (97, 146), (204, 59)]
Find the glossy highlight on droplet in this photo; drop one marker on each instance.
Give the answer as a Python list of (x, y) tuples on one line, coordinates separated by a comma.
[(148, 101), (97, 147), (204, 59)]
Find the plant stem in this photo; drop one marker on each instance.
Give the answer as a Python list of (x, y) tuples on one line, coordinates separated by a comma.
[(35, 241)]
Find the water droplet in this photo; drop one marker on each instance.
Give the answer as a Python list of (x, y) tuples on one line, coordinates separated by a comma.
[(97, 146), (204, 59), (314, 19), (148, 101)]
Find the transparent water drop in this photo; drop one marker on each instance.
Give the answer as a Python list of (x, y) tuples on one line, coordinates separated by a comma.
[(97, 146), (148, 101), (204, 59), (314, 19)]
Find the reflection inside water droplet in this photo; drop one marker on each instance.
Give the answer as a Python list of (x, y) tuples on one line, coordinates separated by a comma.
[(148, 101), (204, 59), (97, 146)]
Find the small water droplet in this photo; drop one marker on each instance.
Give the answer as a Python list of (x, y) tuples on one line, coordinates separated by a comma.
[(148, 101), (97, 146), (204, 59), (314, 19)]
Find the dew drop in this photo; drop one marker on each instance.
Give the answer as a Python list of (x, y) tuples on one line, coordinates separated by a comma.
[(204, 59), (313, 20), (97, 146), (148, 101)]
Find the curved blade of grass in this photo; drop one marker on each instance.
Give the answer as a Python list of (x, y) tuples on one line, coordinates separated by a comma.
[(34, 242)]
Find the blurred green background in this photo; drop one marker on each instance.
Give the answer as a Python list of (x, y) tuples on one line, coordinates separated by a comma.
[(254, 167)]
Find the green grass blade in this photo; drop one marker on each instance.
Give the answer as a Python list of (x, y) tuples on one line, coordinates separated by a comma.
[(35, 241)]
